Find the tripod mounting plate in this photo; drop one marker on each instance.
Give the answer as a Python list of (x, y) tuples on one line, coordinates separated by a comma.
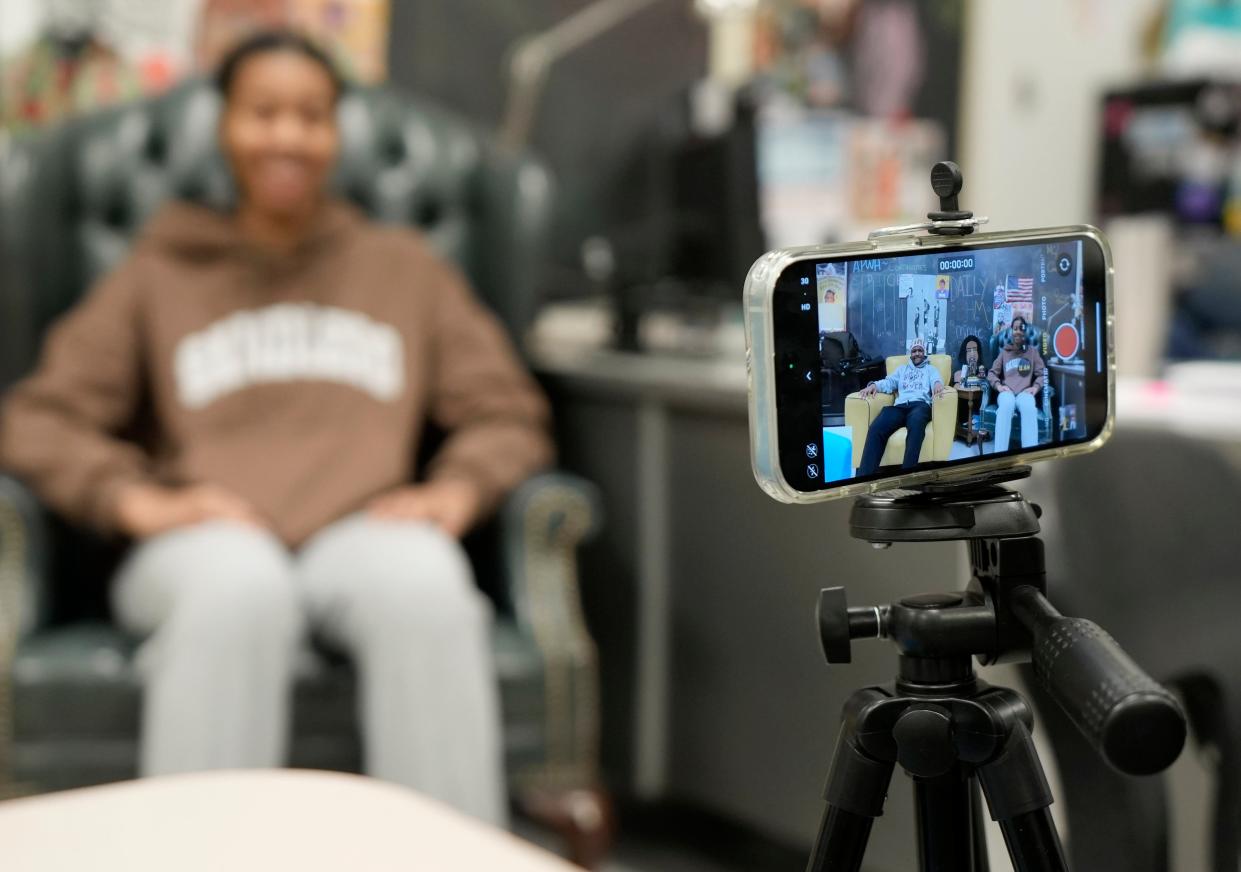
[(973, 508)]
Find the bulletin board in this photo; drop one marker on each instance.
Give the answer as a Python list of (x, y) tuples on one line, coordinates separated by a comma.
[(355, 32)]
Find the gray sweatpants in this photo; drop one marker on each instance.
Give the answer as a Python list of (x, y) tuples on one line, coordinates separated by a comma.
[(226, 609)]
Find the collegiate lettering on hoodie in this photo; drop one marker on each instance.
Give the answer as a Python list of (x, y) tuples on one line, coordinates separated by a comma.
[(289, 342), (1021, 366)]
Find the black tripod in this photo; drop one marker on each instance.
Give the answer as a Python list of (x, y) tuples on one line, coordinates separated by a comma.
[(954, 733)]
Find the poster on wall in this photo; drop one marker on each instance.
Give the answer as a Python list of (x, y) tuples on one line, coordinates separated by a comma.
[(831, 290), (803, 190), (1016, 297), (66, 58), (888, 163), (926, 312), (156, 35), (222, 23), (355, 32), (856, 101), (356, 29)]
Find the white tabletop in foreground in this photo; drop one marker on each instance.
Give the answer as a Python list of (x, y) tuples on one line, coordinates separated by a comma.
[(254, 820)]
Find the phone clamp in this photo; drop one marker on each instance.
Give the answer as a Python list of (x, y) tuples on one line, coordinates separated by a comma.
[(950, 220), (958, 737)]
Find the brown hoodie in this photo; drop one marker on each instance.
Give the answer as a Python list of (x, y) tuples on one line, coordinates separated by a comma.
[(301, 382), (1019, 368)]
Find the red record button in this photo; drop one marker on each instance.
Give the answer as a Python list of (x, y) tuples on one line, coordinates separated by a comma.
[(1066, 341)]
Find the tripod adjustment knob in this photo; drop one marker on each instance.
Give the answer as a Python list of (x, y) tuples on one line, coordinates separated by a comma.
[(924, 741), (833, 617), (838, 624)]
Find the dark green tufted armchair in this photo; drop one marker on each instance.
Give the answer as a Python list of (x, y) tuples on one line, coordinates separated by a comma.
[(70, 203)]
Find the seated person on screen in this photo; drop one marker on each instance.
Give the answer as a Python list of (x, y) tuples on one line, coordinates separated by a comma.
[(971, 372), (290, 353), (915, 384), (1017, 377)]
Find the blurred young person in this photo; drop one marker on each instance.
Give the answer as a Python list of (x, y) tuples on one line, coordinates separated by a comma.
[(288, 354), (1017, 378)]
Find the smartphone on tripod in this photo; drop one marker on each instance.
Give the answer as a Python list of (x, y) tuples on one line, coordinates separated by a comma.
[(934, 367), (905, 359)]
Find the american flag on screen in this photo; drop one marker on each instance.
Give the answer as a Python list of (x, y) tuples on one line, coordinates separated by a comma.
[(1020, 289)]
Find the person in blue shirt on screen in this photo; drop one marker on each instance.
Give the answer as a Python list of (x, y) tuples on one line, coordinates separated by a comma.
[(915, 384)]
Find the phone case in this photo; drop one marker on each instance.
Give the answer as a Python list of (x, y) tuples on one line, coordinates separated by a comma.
[(759, 287)]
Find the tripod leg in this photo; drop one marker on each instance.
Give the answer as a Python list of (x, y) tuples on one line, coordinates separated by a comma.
[(982, 861), (856, 788), (945, 819), (1020, 801), (841, 842), (1033, 842)]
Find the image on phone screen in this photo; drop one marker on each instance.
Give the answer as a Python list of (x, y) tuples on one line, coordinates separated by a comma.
[(887, 365)]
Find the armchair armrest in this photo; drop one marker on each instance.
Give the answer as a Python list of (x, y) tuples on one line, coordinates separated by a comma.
[(23, 561), (944, 423), (542, 524), (860, 413), (21, 571), (1044, 398)]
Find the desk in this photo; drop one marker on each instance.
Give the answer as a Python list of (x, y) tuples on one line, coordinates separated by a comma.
[(258, 820), (701, 591)]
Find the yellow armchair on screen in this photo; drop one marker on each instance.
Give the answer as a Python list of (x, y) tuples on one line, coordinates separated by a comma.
[(861, 411)]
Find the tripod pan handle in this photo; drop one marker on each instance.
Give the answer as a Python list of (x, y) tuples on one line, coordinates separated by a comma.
[(1132, 721)]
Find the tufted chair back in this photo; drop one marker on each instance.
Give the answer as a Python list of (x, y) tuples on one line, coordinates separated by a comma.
[(999, 341), (77, 197)]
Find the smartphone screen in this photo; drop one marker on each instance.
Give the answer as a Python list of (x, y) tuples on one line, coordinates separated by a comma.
[(891, 364)]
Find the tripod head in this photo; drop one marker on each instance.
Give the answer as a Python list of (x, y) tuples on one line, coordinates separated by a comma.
[(1003, 615)]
